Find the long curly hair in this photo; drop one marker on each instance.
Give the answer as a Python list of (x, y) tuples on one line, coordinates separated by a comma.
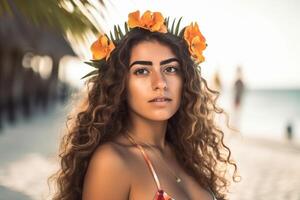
[(103, 113)]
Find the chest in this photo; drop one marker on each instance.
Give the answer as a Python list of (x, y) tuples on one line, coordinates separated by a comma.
[(144, 185)]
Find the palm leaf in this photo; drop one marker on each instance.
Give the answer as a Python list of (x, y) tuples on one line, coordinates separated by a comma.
[(120, 32), (96, 63), (167, 21), (92, 73), (178, 25), (112, 37), (54, 14), (172, 28), (181, 32), (116, 33), (126, 27)]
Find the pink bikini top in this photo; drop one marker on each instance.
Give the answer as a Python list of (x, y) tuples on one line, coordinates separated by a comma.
[(160, 194)]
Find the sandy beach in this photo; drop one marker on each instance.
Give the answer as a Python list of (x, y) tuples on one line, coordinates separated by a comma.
[(269, 169)]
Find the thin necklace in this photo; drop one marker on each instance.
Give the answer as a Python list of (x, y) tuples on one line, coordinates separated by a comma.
[(177, 178)]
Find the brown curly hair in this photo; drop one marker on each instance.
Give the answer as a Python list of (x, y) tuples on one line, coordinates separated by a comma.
[(102, 116)]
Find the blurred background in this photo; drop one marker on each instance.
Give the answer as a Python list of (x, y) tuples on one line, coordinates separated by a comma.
[(252, 59)]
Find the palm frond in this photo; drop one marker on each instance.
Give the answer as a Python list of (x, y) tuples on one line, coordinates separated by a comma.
[(52, 13), (175, 26), (112, 37), (178, 26), (96, 63), (117, 36), (92, 73), (172, 28), (126, 27), (120, 32)]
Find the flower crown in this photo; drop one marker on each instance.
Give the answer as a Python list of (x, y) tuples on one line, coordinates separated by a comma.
[(154, 22)]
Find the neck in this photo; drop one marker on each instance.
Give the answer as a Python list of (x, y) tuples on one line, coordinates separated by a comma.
[(147, 131)]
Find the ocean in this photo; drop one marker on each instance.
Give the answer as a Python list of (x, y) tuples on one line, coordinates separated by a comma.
[(265, 113)]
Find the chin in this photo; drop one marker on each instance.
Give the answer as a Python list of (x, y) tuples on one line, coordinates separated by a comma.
[(155, 114), (159, 119), (159, 116)]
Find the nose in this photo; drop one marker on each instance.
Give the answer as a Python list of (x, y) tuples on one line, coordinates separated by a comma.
[(158, 81)]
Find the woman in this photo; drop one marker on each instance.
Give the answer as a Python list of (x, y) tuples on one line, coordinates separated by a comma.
[(146, 128)]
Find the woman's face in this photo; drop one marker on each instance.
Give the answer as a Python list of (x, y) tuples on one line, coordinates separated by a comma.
[(154, 71)]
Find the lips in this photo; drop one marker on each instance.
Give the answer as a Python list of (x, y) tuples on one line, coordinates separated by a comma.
[(160, 99)]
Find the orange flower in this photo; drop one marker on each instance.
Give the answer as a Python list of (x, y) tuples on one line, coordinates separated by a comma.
[(196, 41), (150, 21), (102, 48)]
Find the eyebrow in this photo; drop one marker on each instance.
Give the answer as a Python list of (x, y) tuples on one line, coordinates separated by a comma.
[(143, 62)]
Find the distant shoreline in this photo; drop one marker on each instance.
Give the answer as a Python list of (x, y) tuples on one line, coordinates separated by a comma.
[(284, 144)]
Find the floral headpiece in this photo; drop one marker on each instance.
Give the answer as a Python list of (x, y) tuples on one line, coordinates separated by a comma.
[(154, 22)]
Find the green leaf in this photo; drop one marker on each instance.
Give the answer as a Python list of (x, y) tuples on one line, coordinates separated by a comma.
[(167, 21), (91, 64), (172, 28), (126, 27), (95, 72), (55, 15), (112, 37), (177, 27), (120, 32), (116, 33), (96, 63), (182, 32)]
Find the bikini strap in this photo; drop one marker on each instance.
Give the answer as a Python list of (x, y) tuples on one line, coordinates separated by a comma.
[(146, 158)]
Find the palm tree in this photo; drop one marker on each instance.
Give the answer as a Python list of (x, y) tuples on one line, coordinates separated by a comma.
[(63, 15), (39, 27)]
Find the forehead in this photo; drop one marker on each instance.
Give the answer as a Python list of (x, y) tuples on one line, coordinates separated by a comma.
[(151, 51)]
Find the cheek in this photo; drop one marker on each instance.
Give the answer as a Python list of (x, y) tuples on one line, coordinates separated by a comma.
[(176, 86), (137, 92)]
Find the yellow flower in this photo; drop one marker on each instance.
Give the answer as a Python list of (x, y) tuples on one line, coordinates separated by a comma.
[(102, 48), (196, 41), (150, 21)]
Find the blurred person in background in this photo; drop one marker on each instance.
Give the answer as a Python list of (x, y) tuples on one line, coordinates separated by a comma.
[(289, 130), (239, 88), (146, 105), (238, 92)]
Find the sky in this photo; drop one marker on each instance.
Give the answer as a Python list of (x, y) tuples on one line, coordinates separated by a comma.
[(262, 36)]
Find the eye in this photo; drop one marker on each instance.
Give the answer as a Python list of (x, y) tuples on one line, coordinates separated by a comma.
[(140, 71), (171, 69)]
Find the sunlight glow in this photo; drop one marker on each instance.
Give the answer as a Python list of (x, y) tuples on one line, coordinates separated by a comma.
[(261, 36)]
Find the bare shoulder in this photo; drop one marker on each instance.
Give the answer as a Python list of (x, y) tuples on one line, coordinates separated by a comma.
[(107, 176), (110, 152)]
